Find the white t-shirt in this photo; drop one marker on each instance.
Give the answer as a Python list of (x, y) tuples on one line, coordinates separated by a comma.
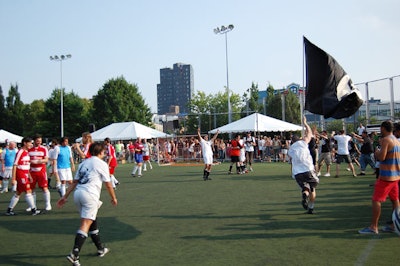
[(360, 130), (343, 144), (206, 147), (301, 158), (91, 174), (249, 145)]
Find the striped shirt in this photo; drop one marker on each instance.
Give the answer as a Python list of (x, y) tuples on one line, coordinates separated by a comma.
[(389, 169)]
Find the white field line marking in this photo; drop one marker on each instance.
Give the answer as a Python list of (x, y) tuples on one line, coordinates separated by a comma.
[(364, 255)]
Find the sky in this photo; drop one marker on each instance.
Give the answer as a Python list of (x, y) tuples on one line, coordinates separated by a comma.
[(136, 38)]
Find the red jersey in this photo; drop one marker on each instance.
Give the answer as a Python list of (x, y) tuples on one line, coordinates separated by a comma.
[(235, 151), (110, 152), (86, 150), (139, 147), (22, 161), (38, 153)]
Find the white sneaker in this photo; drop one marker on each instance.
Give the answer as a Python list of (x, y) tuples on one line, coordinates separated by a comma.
[(103, 252), (5, 190), (348, 169), (144, 170), (319, 174), (28, 209), (327, 174), (48, 208)]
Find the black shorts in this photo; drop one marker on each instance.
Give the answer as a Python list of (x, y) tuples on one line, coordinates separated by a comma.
[(234, 159), (307, 180), (342, 157)]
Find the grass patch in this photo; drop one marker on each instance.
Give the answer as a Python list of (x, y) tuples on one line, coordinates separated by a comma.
[(170, 216)]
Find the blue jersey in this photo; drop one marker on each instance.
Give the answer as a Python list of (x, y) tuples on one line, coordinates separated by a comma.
[(9, 157), (63, 158)]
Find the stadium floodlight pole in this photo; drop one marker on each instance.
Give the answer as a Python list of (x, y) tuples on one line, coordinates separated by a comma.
[(225, 30), (60, 59)]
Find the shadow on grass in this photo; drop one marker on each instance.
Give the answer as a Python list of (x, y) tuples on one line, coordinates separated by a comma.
[(114, 230)]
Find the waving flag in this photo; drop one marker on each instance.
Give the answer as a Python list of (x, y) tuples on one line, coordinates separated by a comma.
[(330, 91)]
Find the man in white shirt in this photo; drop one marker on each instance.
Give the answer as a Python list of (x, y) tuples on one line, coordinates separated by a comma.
[(303, 170), (206, 150), (249, 143), (343, 153)]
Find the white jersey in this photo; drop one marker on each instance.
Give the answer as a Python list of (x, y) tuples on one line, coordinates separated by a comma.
[(301, 158), (91, 174), (242, 156), (206, 147), (343, 144), (249, 143)]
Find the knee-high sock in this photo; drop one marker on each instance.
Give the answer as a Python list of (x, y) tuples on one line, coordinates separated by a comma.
[(13, 202), (94, 234), (30, 200), (140, 170), (80, 238), (63, 189), (46, 197)]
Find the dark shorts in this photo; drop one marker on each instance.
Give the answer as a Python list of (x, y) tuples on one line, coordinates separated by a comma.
[(138, 158), (307, 180), (340, 158), (234, 159)]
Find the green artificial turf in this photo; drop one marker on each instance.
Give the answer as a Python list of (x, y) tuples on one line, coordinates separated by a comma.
[(170, 216)]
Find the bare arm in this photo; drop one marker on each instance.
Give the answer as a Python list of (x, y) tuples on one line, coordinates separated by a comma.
[(198, 134), (380, 154), (308, 134), (215, 136), (63, 199), (111, 191)]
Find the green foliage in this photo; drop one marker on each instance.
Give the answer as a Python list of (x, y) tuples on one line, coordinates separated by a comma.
[(202, 108), (2, 109), (250, 97), (14, 114), (119, 101)]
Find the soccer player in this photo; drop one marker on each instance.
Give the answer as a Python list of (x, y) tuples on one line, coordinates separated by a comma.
[(387, 184), (249, 142), (207, 152), (20, 176), (138, 157), (7, 162), (303, 170), (111, 159), (88, 181), (236, 146), (39, 156), (146, 155), (64, 163), (86, 141), (343, 153)]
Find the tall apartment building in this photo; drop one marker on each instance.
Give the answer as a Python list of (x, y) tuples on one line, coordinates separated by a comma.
[(175, 88)]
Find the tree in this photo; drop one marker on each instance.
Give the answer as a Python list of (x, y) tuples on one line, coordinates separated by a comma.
[(76, 115), (2, 109), (14, 113), (292, 105), (210, 110), (35, 112), (119, 101), (250, 97)]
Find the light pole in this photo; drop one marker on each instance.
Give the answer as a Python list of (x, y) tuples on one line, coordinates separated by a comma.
[(60, 59), (225, 30)]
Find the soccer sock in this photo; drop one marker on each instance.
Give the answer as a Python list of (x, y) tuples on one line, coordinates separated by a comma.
[(230, 168), (46, 197), (13, 202), (62, 189), (134, 170), (5, 184), (34, 197), (311, 205), (204, 173), (238, 168), (207, 174), (140, 170), (30, 200), (79, 240), (144, 167), (151, 167), (95, 236)]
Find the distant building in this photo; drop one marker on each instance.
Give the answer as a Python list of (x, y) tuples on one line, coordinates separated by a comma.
[(175, 88)]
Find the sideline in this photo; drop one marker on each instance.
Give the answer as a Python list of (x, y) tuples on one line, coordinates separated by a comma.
[(364, 255)]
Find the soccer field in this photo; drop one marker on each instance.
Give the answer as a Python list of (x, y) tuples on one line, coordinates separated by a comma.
[(170, 216)]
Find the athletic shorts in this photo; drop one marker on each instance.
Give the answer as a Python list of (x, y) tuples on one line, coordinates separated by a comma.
[(234, 159), (23, 183), (307, 180), (138, 158), (87, 205), (146, 157), (7, 172), (112, 169), (208, 158), (343, 157), (325, 157), (65, 174), (383, 189), (39, 178)]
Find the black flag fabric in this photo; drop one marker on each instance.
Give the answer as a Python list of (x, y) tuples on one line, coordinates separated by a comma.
[(330, 91)]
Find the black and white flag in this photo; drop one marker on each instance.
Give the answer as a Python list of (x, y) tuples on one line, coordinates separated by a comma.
[(330, 91)]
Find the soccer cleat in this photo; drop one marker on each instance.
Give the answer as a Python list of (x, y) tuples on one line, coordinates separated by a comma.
[(305, 200), (310, 211), (48, 208), (35, 212), (319, 174), (362, 173), (367, 231), (73, 259), (10, 213), (230, 172), (327, 174), (102, 252), (28, 209), (4, 190)]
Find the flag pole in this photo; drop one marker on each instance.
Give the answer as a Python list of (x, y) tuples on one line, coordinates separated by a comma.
[(302, 93)]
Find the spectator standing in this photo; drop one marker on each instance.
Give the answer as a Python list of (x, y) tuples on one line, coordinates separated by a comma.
[(343, 153)]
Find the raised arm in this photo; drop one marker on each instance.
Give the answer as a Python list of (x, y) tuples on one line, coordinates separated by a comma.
[(308, 133), (198, 134), (215, 136)]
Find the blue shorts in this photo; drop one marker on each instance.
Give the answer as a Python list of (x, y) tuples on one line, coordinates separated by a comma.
[(139, 158)]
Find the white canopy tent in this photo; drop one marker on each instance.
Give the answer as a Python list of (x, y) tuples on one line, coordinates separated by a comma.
[(257, 123), (126, 131), (5, 135)]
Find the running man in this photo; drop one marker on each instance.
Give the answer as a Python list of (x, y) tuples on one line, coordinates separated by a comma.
[(206, 150)]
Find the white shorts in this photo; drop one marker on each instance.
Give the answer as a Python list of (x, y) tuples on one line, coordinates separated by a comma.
[(87, 205), (65, 174), (208, 158), (7, 172)]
